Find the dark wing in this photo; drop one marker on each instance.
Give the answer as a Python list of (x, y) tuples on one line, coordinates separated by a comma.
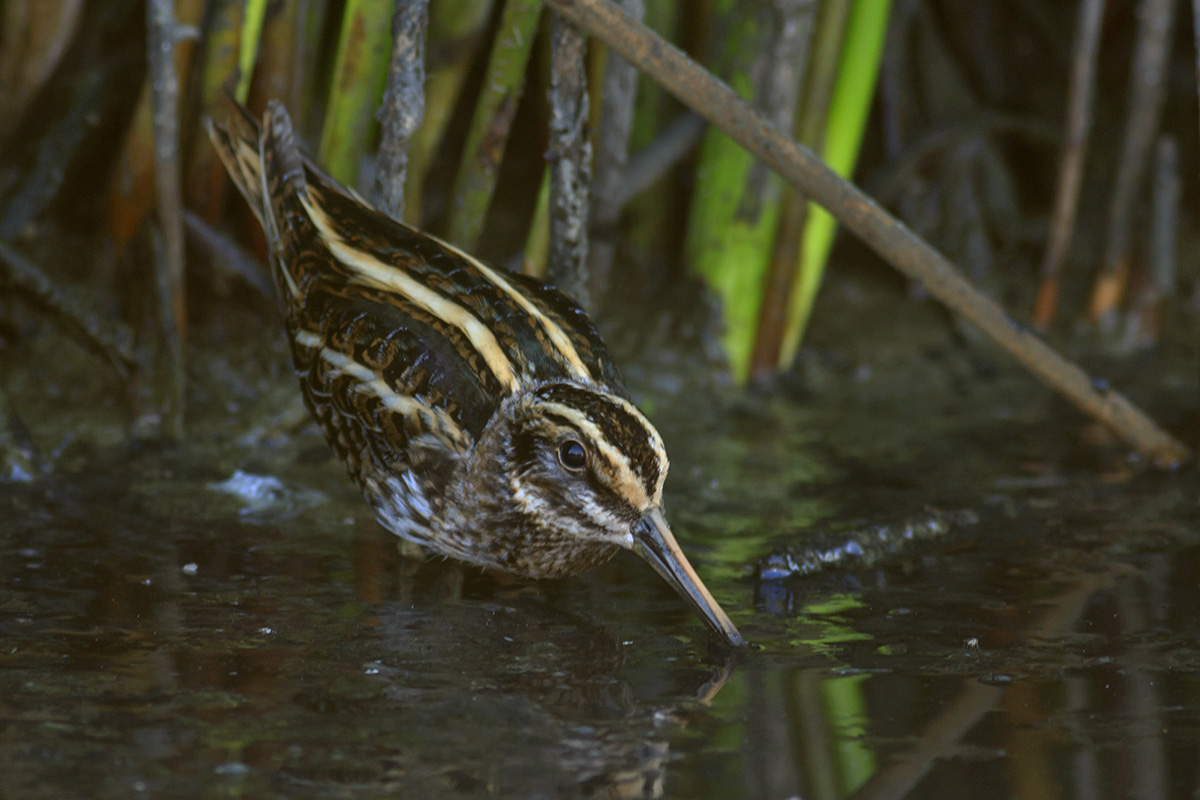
[(392, 327), (523, 332)]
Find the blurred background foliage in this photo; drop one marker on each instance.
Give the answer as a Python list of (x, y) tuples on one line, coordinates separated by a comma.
[(958, 110)]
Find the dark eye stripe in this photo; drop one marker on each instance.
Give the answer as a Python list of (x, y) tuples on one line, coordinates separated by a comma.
[(621, 428)]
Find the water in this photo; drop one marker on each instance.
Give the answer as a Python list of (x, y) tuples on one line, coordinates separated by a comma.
[(165, 634)]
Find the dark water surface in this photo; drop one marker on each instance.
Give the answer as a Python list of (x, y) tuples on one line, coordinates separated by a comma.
[(160, 637)]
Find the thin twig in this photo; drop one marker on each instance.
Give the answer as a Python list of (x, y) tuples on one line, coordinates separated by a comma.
[(1147, 91), (612, 153), (403, 104), (228, 252), (899, 246), (1070, 168), (647, 165), (1167, 190), (162, 34), (108, 340), (570, 159)]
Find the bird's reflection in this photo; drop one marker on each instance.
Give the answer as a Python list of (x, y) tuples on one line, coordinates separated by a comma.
[(344, 665), (539, 674)]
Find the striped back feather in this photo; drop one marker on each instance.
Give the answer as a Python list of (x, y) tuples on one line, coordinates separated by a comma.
[(428, 318)]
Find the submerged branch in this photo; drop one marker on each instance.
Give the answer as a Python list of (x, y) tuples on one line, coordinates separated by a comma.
[(898, 245)]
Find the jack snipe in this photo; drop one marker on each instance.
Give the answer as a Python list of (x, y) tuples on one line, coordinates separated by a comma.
[(478, 410)]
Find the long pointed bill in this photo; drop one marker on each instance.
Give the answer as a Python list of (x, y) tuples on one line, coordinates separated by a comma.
[(654, 542)]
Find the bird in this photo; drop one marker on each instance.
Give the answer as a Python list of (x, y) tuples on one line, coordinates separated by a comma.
[(478, 410)]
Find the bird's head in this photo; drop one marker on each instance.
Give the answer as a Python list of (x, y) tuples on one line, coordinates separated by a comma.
[(584, 467)]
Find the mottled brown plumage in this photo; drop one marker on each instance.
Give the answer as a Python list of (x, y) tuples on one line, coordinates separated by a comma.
[(478, 410)]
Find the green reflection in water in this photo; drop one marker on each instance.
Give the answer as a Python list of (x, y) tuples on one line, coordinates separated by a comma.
[(846, 710)]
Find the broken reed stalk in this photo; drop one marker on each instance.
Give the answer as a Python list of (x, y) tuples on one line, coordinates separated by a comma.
[(403, 104), (491, 123), (894, 242), (229, 42), (1147, 92), (1070, 168), (306, 72), (569, 158), (162, 34), (275, 72), (612, 153)]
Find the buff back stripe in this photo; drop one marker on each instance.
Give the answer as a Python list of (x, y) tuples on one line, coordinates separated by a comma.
[(368, 270), (558, 337)]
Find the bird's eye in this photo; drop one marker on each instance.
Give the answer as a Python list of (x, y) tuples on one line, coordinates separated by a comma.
[(572, 455)]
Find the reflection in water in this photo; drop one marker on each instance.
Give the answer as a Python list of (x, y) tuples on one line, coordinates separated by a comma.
[(306, 665), (152, 644)]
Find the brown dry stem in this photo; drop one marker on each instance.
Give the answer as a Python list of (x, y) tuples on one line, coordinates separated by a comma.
[(898, 245)]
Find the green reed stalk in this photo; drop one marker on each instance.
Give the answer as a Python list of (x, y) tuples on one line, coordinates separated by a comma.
[(848, 112), (811, 119), (310, 77), (228, 51), (537, 244), (736, 206), (251, 36), (492, 121), (359, 73), (846, 706), (276, 73), (454, 27)]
